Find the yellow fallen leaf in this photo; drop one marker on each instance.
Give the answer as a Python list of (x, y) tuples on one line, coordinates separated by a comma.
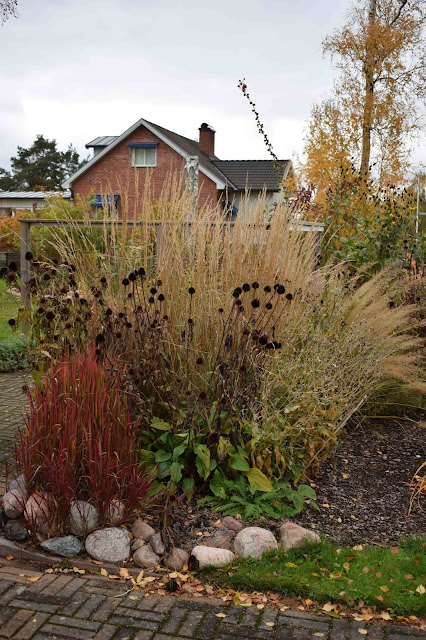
[(104, 572), (318, 634), (362, 631), (385, 616), (140, 577), (113, 577), (133, 597), (283, 608), (420, 589), (22, 575), (384, 588), (270, 624), (220, 615), (357, 547), (174, 574), (308, 601), (34, 579), (379, 598), (291, 564), (346, 566), (48, 571), (260, 606), (326, 505), (329, 607), (345, 476), (124, 573), (77, 570), (9, 557)]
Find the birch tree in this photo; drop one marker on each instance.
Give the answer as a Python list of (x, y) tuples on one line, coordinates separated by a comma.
[(8, 8), (380, 93)]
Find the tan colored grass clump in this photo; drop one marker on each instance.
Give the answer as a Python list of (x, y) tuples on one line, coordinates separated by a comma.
[(341, 342)]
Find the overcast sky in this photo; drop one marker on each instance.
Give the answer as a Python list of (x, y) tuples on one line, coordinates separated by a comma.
[(77, 69)]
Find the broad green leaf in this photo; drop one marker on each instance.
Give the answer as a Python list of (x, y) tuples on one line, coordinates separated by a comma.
[(188, 484), (176, 472), (239, 463), (162, 455), (177, 451), (156, 423)]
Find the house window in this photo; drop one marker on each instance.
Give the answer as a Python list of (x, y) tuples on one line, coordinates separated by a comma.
[(144, 154)]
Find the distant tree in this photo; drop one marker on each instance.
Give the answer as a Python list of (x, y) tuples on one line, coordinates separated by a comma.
[(8, 8), (40, 167), (379, 95)]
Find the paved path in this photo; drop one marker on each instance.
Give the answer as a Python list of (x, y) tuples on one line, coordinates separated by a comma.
[(63, 606), (13, 401)]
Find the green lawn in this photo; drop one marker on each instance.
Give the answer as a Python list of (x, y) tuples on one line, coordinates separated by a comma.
[(9, 306), (388, 579)]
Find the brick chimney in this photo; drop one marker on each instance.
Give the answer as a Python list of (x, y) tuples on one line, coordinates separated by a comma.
[(206, 142)]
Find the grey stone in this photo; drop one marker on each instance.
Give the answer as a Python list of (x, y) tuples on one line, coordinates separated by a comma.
[(14, 503), (157, 544), (138, 542), (221, 538), (232, 523), (252, 542), (141, 529), (293, 535), (211, 557), (67, 546), (18, 483), (14, 530), (84, 518), (109, 545), (145, 557), (176, 559)]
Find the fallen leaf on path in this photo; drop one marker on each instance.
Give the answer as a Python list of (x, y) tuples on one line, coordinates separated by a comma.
[(384, 588), (220, 615), (420, 589), (34, 579)]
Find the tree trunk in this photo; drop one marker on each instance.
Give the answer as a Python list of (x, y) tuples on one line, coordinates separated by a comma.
[(369, 94)]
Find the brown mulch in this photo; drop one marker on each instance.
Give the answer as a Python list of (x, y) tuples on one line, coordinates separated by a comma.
[(362, 490), (366, 483)]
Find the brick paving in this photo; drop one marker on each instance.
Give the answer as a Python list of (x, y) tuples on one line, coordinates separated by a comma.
[(59, 606), (13, 402)]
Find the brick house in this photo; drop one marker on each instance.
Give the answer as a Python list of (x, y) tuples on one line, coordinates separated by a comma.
[(121, 164)]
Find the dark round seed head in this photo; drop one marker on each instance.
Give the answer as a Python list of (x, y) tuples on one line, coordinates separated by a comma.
[(132, 277), (46, 277), (276, 286), (159, 282), (190, 321), (280, 289), (238, 302), (100, 338), (268, 306), (237, 292), (12, 322), (68, 325), (220, 310), (270, 345), (151, 300), (243, 368), (289, 296), (267, 289), (199, 361), (203, 395), (28, 256), (246, 332), (130, 295), (161, 297), (50, 315), (153, 290), (263, 340), (191, 291), (255, 285), (125, 282), (255, 303), (13, 267), (246, 287), (165, 317), (118, 335), (103, 280), (141, 271)]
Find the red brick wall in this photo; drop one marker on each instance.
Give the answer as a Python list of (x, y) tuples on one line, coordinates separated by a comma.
[(114, 174)]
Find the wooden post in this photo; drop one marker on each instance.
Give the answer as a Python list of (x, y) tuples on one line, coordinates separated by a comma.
[(25, 232)]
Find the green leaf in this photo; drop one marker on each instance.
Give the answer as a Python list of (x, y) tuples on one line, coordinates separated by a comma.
[(162, 455), (176, 472), (177, 451), (202, 460), (156, 423), (187, 484), (239, 463), (258, 480)]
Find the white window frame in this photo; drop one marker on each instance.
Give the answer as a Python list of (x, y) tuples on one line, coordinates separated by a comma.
[(136, 166)]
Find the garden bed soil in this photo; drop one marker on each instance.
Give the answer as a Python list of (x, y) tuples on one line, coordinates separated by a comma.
[(365, 483)]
